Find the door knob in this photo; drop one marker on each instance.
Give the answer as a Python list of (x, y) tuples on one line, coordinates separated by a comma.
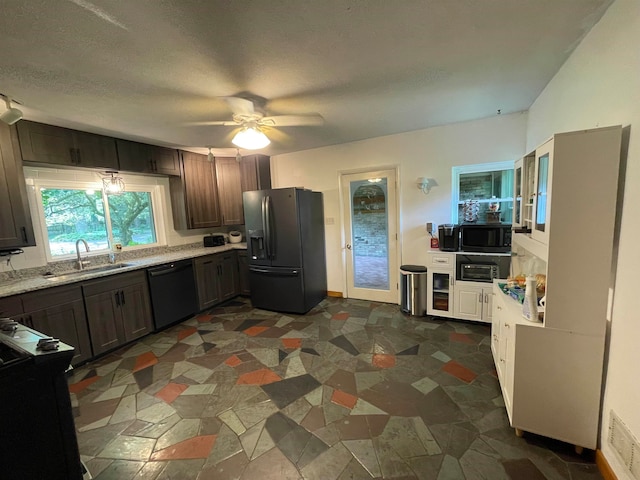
[(349, 246)]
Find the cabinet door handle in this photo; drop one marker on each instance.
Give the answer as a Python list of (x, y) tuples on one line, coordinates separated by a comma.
[(155, 166), (78, 156), (72, 154), (151, 165), (117, 299), (23, 231), (480, 297), (122, 297)]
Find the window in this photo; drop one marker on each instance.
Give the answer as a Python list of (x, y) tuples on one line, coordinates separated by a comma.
[(479, 190), (74, 212)]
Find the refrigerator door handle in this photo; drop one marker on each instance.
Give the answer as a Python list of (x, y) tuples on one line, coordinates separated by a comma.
[(271, 254), (265, 226)]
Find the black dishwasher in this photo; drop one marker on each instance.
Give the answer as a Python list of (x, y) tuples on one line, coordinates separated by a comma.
[(173, 292)]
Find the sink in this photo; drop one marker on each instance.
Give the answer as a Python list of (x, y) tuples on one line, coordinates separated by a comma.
[(75, 273)]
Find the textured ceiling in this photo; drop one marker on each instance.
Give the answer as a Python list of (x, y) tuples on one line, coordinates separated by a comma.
[(148, 69)]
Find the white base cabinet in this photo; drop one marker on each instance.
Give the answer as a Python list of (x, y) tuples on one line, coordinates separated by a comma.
[(472, 301)]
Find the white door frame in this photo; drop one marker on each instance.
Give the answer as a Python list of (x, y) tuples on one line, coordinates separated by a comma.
[(393, 294)]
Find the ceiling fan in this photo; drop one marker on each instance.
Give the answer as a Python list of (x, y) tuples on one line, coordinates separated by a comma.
[(252, 122)]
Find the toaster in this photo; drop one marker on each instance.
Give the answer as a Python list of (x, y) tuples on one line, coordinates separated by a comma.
[(214, 240)]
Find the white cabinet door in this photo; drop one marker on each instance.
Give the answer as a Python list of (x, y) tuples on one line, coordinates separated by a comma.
[(468, 302), (487, 304), (440, 292)]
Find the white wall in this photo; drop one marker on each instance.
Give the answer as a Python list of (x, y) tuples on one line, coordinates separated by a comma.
[(167, 235), (600, 85), (424, 153)]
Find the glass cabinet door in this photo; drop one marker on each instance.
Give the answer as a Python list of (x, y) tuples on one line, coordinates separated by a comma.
[(440, 293), (517, 193), (542, 192)]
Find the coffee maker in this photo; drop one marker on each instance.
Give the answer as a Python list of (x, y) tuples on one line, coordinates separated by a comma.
[(449, 237)]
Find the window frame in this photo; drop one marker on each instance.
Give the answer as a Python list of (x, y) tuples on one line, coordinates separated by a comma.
[(475, 168), (157, 211)]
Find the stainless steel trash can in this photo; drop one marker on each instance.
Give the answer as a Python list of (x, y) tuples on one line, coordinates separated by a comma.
[(413, 283)]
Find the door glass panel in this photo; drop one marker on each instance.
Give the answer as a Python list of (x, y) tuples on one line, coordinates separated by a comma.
[(370, 226), (440, 300), (541, 198)]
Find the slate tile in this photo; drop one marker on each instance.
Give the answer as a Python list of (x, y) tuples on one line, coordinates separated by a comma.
[(343, 343), (289, 390)]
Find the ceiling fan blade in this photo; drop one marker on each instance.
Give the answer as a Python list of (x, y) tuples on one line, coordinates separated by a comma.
[(293, 120), (240, 106), (213, 122)]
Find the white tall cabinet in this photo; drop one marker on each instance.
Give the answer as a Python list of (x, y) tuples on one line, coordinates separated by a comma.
[(551, 371)]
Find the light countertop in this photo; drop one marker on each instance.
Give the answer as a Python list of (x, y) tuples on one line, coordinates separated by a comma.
[(14, 287)]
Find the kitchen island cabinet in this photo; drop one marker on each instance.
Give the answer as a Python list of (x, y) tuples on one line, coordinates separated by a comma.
[(16, 229), (118, 310)]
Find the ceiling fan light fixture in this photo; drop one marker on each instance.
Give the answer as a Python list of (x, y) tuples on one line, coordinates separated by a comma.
[(250, 138), (113, 184)]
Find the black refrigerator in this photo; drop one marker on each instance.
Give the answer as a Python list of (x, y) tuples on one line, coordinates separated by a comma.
[(285, 248)]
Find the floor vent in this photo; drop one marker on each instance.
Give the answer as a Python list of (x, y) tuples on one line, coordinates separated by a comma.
[(625, 444)]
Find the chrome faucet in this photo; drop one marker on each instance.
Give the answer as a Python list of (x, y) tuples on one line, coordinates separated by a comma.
[(81, 263)]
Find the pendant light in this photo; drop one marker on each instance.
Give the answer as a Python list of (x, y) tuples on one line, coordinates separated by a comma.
[(210, 156), (113, 184), (238, 156), (12, 114)]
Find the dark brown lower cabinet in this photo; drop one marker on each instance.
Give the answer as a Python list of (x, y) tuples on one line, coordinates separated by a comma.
[(59, 312), (216, 278), (118, 310), (243, 273)]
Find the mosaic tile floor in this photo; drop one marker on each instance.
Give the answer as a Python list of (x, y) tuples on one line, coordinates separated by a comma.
[(352, 390)]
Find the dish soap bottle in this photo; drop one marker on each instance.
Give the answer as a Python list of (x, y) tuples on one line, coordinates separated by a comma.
[(530, 304)]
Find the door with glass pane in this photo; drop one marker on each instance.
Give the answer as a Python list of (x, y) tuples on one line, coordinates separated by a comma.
[(370, 232), (542, 198)]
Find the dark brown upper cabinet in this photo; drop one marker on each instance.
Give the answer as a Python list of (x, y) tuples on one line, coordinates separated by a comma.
[(194, 195), (16, 229), (255, 172), (144, 158), (229, 190), (51, 145)]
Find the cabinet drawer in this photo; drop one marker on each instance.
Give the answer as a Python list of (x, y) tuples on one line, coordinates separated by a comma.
[(10, 306), (442, 260), (51, 297), (112, 282)]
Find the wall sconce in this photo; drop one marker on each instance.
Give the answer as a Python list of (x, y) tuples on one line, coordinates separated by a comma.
[(12, 114), (425, 184), (113, 184)]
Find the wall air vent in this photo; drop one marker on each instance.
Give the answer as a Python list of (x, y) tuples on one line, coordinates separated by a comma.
[(625, 445)]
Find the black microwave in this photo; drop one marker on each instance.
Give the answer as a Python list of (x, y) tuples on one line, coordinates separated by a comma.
[(488, 238)]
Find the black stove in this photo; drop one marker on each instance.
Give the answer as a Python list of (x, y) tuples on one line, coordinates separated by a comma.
[(37, 424)]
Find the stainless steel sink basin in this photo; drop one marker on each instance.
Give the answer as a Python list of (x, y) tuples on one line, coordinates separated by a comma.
[(75, 273)]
